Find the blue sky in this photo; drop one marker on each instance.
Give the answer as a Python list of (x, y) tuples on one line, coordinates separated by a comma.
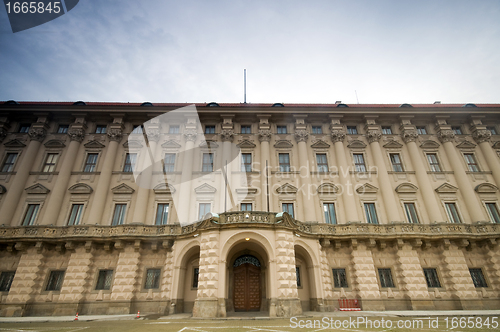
[(294, 52)]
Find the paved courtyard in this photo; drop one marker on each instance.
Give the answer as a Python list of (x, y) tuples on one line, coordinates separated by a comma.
[(470, 321)]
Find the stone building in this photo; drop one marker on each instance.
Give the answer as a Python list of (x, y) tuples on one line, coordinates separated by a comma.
[(393, 205)]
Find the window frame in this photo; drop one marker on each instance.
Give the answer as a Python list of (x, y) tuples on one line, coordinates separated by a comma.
[(246, 204), (328, 211), (60, 274), (383, 280), (335, 271), (315, 131), (49, 166), (163, 221), (122, 214), (62, 129), (457, 130), (101, 129), (78, 216), (156, 279), (323, 166), (288, 204), (33, 214), (281, 129), (492, 130), (449, 212), (195, 276), (130, 163), (387, 130), (207, 167), (98, 286), (367, 216), (209, 129), (352, 130), (357, 166), (435, 274), (433, 165), (484, 283), (245, 166), (92, 166), (494, 219), (169, 165), (422, 130), (284, 167), (174, 129), (204, 204), (11, 165), (6, 284), (24, 128), (396, 166), (298, 276), (245, 129), (471, 162), (408, 218)]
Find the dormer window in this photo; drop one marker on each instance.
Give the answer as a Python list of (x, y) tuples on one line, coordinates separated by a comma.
[(281, 129), (209, 129)]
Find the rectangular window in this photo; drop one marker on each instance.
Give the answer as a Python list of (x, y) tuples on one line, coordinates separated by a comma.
[(173, 129), (9, 161), (284, 160), (281, 129), (104, 280), (433, 162), (208, 162), (457, 130), (352, 130), (169, 163), (297, 276), (329, 209), (75, 215), (385, 276), (288, 208), (359, 162), (322, 162), (203, 210), (50, 162), (196, 273), (451, 209), (492, 130), (100, 129), (119, 214), (55, 281), (31, 213), (431, 277), (152, 279), (246, 206), (137, 129), (62, 129), (386, 130), (130, 160), (371, 213), (411, 213), (421, 130), (91, 162), (478, 277), (209, 129), (470, 159), (493, 211), (24, 128), (6, 280), (339, 278), (246, 162), (162, 214), (246, 129), (317, 130), (397, 165)]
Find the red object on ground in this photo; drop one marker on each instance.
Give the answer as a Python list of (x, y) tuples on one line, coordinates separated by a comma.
[(76, 317), (349, 305)]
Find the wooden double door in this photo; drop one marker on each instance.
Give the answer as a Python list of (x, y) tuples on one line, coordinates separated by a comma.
[(247, 287)]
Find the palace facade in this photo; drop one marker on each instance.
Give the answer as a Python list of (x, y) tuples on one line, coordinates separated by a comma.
[(105, 208)]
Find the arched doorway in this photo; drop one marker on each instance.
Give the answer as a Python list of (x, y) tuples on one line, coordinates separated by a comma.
[(247, 287)]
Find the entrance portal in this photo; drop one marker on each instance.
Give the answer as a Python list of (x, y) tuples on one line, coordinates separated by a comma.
[(246, 270)]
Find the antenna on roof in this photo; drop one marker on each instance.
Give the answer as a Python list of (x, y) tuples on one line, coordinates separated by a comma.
[(245, 85), (356, 96)]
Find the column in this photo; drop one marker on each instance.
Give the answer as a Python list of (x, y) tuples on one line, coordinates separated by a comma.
[(227, 199), (37, 134), (183, 206), (307, 195), (264, 139), (115, 133), (28, 279), (74, 289), (141, 201), (447, 136), (457, 276), (207, 303), (166, 282), (338, 136), (364, 275), (76, 135), (413, 282), (288, 302), (482, 136), (391, 205), (125, 278), (410, 135), (326, 284)]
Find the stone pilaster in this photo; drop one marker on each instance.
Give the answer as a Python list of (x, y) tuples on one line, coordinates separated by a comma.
[(492, 268), (326, 275), (206, 304), (287, 302), (413, 281), (482, 136), (125, 281), (365, 278), (166, 283), (457, 277), (27, 282), (76, 279), (264, 139)]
